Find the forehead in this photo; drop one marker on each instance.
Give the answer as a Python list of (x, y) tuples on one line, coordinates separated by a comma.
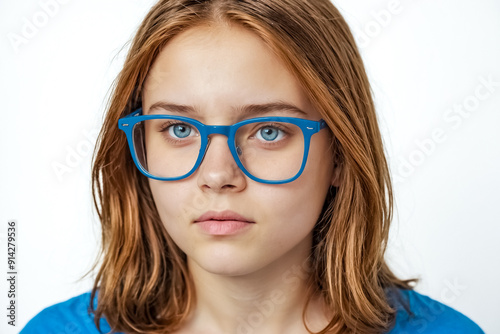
[(220, 67)]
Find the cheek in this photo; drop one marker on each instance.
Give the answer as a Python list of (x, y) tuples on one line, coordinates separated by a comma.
[(171, 201), (309, 193), (161, 197), (175, 197), (175, 203), (292, 208)]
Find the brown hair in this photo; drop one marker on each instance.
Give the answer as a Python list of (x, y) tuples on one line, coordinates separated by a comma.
[(143, 284)]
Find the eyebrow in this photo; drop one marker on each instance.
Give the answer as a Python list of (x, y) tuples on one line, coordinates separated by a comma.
[(253, 109), (259, 109), (172, 107)]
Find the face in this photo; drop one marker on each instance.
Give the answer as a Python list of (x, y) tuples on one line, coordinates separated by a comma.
[(226, 223)]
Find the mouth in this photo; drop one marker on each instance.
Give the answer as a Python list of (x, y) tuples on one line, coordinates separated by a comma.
[(223, 223)]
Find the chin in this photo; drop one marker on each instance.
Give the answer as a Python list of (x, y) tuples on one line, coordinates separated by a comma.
[(226, 268), (226, 264)]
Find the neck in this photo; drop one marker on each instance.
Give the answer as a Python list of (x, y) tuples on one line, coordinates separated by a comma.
[(270, 300)]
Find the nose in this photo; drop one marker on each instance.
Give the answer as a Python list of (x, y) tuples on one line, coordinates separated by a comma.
[(218, 171)]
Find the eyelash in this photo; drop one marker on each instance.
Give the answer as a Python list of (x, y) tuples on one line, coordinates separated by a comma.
[(164, 126), (275, 126), (167, 125)]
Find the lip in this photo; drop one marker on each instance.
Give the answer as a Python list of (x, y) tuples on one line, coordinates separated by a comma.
[(223, 223)]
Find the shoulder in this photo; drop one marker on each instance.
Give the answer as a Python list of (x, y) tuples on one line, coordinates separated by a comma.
[(417, 313), (70, 316)]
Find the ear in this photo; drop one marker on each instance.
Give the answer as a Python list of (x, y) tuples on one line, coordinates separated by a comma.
[(337, 172)]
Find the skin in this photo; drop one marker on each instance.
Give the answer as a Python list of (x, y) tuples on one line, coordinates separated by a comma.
[(216, 70)]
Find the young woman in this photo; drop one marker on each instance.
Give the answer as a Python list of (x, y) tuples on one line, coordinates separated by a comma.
[(241, 183)]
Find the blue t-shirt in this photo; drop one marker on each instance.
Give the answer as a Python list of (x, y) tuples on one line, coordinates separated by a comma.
[(425, 316)]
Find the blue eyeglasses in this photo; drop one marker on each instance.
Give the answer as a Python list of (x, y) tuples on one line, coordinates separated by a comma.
[(270, 150)]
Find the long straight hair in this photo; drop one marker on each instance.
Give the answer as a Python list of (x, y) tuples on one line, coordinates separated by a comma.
[(143, 283)]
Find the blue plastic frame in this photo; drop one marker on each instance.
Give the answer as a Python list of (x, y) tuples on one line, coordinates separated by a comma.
[(308, 127)]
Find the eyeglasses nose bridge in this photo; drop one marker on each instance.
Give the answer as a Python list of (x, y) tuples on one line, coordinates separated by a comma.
[(210, 130), (218, 129), (224, 130)]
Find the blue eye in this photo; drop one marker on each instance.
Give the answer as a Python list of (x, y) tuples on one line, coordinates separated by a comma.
[(269, 133), (180, 130)]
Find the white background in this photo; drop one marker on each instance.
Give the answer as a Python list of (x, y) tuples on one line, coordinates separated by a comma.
[(425, 59)]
